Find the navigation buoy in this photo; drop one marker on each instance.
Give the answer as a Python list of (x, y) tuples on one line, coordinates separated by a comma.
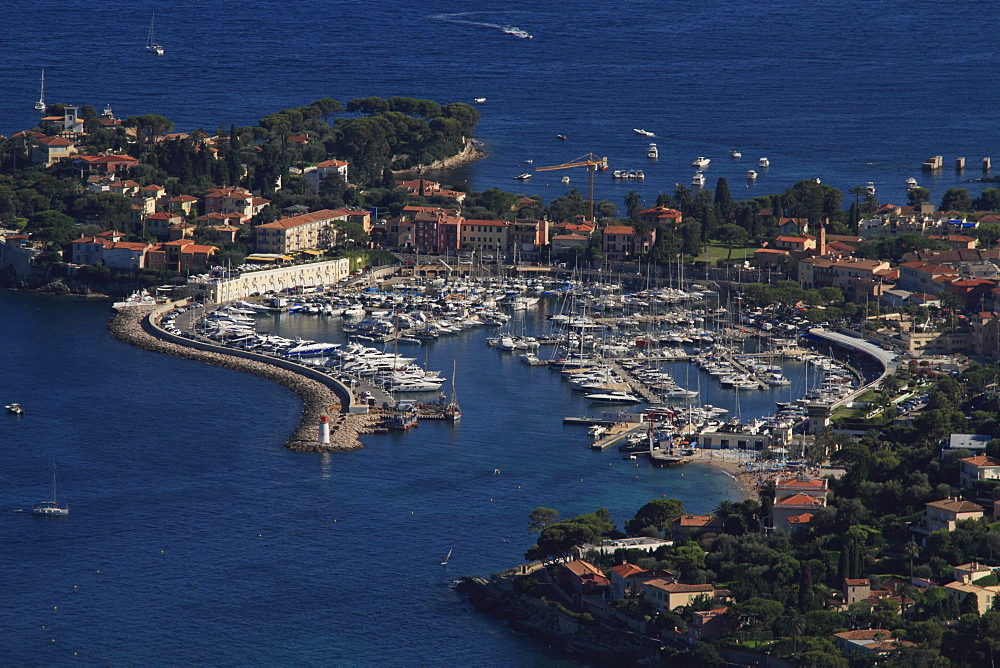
[(324, 430), (496, 471)]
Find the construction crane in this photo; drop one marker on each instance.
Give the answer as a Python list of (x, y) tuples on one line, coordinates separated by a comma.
[(592, 163)]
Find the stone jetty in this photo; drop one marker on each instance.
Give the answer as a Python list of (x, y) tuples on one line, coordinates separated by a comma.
[(317, 398)]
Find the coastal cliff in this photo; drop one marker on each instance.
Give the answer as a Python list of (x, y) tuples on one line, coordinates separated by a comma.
[(470, 153), (579, 635)]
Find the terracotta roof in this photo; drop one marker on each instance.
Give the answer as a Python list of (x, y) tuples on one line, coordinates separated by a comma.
[(580, 568), (55, 141), (799, 500), (863, 634), (857, 582), (296, 221), (334, 163), (627, 570), (619, 229), (812, 483), (982, 460), (804, 518), (695, 520)]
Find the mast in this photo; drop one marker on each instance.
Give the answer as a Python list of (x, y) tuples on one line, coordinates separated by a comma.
[(40, 105)]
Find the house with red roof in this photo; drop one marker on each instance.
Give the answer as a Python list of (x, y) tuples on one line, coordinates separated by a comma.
[(796, 500), (317, 173), (665, 595), (234, 200), (944, 514), (685, 525), (569, 243), (182, 204), (308, 231), (182, 256), (708, 624), (975, 469), (158, 224), (105, 163), (48, 150), (661, 215), (582, 578), (621, 242)]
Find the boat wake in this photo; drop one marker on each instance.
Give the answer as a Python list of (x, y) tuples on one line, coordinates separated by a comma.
[(507, 29)]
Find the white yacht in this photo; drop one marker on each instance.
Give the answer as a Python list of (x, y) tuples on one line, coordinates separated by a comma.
[(736, 153), (523, 177), (751, 175), (701, 162), (652, 152), (870, 189), (763, 162), (698, 180), (911, 183), (613, 397)]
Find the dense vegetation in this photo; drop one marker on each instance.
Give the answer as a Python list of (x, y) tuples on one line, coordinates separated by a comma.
[(783, 584)]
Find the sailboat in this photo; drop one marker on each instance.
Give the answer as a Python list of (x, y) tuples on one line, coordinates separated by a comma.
[(151, 46), (452, 412), (51, 508), (40, 105), (445, 562)]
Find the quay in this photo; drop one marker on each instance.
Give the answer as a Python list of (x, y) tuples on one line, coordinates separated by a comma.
[(616, 434), (322, 396)]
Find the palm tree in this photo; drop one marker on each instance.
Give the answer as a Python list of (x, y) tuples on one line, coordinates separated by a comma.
[(795, 625), (725, 509), (911, 550), (633, 203)]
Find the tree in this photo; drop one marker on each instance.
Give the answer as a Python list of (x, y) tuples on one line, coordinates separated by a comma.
[(606, 209), (917, 196), (723, 200), (541, 518), (152, 126), (327, 107), (657, 513), (731, 234), (794, 625), (988, 200), (956, 199), (633, 203)]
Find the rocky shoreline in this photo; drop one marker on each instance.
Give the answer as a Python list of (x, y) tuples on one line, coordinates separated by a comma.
[(470, 153), (318, 399)]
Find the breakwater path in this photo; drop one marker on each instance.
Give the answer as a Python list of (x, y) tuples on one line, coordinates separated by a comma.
[(132, 325)]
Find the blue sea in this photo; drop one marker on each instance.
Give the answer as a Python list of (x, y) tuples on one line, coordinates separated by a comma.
[(848, 91), (194, 536)]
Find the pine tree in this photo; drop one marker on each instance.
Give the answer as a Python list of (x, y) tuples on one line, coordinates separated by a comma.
[(723, 200)]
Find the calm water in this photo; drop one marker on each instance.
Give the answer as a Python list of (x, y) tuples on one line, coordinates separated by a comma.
[(848, 91), (195, 537)]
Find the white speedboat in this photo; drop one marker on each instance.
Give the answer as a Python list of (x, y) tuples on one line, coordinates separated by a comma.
[(14, 409), (480, 100), (700, 162), (698, 180), (565, 179), (751, 174), (644, 133), (517, 32), (763, 162), (652, 152), (523, 177), (736, 153), (639, 174)]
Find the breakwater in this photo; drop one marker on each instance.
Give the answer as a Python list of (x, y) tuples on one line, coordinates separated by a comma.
[(318, 399)]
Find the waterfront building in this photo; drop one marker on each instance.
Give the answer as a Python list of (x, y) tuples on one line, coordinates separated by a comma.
[(796, 500), (856, 277), (308, 231), (665, 595), (620, 242), (485, 236), (182, 256)]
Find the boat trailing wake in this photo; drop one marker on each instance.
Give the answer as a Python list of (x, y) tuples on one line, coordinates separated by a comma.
[(508, 29)]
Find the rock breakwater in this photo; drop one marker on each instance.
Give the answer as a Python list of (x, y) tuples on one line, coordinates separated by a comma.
[(317, 399)]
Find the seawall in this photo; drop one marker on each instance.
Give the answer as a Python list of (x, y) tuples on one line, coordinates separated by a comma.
[(132, 325)]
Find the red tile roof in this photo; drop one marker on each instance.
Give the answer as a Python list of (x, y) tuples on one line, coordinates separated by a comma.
[(627, 570)]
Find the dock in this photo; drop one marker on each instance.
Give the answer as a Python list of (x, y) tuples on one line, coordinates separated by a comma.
[(639, 388), (617, 433)]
